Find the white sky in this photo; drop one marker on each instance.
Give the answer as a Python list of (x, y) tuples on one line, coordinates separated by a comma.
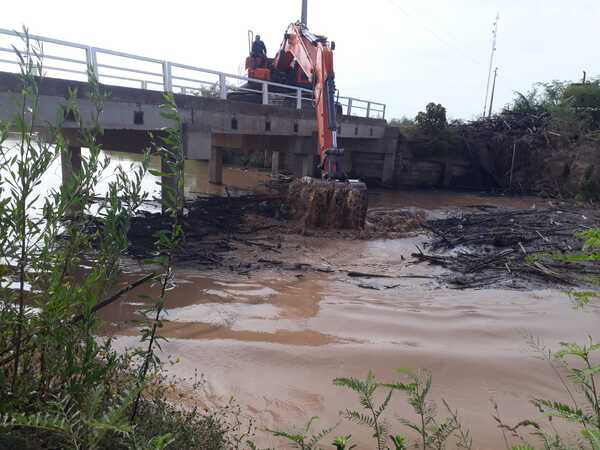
[(405, 53)]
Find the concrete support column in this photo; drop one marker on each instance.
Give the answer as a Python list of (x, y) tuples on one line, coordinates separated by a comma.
[(310, 158), (70, 162), (390, 148), (197, 143), (309, 164), (215, 166), (347, 165), (305, 157), (267, 160), (275, 163)]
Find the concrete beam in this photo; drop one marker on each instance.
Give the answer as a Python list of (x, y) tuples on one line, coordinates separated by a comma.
[(215, 166)]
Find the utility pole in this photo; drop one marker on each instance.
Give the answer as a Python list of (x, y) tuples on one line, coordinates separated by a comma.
[(304, 11), (493, 90), (487, 88)]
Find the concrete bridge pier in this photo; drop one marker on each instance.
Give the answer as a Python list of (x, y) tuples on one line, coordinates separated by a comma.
[(201, 144), (275, 163), (215, 165), (390, 146), (309, 165), (70, 163)]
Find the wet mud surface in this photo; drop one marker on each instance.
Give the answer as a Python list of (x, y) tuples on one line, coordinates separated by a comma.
[(276, 335)]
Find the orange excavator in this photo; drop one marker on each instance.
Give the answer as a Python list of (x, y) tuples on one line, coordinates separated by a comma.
[(306, 60)]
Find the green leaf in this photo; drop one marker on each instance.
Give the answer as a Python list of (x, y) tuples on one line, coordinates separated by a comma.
[(593, 436)]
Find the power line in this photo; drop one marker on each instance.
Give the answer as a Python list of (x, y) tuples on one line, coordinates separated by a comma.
[(435, 34)]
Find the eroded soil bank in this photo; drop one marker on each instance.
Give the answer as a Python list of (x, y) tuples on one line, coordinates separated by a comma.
[(275, 336)]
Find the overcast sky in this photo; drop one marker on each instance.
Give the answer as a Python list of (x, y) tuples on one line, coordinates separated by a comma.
[(405, 53)]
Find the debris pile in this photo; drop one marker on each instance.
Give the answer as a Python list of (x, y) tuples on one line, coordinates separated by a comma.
[(210, 225), (509, 149), (513, 248)]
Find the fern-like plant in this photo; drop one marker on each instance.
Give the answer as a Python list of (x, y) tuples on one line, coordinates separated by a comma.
[(372, 415), (303, 439), (343, 443), (434, 434)]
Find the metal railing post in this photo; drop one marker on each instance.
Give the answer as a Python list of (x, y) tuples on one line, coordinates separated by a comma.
[(298, 99), (383, 112), (368, 109), (265, 93), (222, 86), (92, 61), (167, 82), (144, 84), (349, 109)]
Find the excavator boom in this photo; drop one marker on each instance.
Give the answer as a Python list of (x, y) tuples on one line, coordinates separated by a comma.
[(306, 60), (314, 55)]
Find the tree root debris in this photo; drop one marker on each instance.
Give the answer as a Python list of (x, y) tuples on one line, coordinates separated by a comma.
[(513, 248)]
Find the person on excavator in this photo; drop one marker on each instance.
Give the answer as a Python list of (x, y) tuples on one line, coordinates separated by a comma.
[(259, 50)]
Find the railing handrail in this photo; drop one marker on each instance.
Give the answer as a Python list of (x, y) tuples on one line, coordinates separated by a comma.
[(167, 75)]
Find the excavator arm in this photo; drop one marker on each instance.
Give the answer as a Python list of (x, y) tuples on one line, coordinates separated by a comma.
[(314, 55)]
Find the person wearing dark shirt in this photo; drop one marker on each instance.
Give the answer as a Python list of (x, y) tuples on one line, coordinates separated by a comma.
[(258, 48)]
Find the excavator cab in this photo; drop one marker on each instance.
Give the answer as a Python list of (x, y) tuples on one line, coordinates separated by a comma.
[(257, 67)]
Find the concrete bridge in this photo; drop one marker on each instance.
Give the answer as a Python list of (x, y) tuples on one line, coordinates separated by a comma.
[(282, 124)]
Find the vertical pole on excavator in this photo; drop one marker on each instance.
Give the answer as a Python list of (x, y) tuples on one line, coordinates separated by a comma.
[(304, 11)]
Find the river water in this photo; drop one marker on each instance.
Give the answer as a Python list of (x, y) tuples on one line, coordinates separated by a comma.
[(276, 340)]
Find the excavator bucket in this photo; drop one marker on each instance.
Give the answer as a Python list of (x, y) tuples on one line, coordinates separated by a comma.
[(327, 203)]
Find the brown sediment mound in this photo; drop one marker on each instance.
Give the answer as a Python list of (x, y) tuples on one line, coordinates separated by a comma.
[(328, 204)]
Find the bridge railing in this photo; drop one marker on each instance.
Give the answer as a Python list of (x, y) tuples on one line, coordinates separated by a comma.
[(63, 59)]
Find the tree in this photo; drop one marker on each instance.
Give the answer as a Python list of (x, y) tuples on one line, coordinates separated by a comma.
[(433, 119)]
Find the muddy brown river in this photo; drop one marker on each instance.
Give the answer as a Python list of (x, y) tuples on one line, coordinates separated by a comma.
[(275, 340)]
